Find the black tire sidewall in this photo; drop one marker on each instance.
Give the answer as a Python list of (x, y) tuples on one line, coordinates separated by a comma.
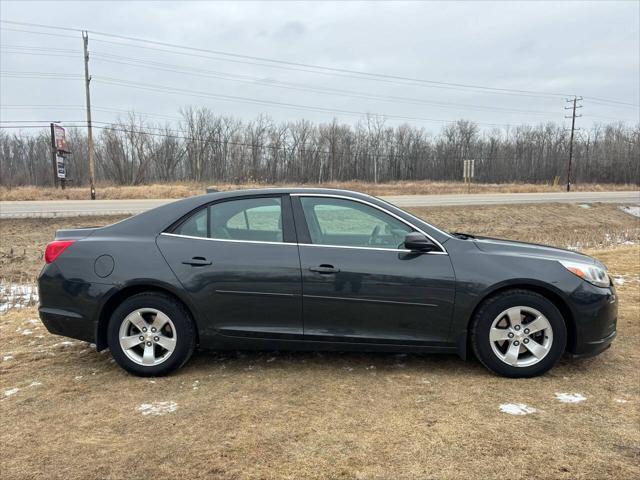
[(487, 314), (179, 316)]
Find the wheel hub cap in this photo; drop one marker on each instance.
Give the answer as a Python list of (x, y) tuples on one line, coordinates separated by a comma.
[(521, 336), (147, 336)]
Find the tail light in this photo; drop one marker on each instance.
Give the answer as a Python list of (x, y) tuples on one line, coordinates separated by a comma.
[(55, 248)]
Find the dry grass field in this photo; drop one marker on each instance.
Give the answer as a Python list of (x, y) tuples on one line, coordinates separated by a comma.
[(67, 411), (181, 190)]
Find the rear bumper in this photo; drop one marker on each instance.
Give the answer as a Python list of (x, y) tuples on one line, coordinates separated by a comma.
[(68, 324), (70, 307)]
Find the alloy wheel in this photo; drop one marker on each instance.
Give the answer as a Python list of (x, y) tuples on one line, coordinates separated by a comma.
[(147, 336), (521, 336)]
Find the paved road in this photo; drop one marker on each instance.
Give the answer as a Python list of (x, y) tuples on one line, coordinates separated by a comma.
[(74, 208)]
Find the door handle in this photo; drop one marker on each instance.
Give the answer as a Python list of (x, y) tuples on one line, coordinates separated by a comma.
[(324, 269), (197, 262)]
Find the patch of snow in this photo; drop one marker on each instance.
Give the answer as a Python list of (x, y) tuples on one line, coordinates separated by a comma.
[(6, 358), (35, 384), (78, 377), (16, 295), (621, 400), (619, 280), (517, 409), (11, 391), (584, 205), (157, 408), (570, 397), (272, 359), (26, 331), (634, 210)]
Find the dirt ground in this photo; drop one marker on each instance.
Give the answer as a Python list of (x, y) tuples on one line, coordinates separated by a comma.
[(22, 241), (181, 190), (69, 412)]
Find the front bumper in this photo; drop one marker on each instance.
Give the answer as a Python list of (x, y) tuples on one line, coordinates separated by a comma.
[(595, 347), (595, 311)]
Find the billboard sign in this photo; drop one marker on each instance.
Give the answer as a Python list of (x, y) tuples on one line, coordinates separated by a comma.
[(59, 139)]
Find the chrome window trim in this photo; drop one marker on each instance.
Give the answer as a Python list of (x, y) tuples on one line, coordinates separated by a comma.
[(402, 250), (364, 202), (225, 239)]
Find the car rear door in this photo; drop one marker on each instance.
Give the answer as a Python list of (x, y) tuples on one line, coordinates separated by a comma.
[(238, 260), (360, 284)]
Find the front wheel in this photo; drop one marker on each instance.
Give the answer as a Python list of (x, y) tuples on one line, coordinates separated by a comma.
[(518, 333), (151, 334)]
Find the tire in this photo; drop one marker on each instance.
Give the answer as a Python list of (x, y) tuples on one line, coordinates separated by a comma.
[(506, 347), (154, 351)]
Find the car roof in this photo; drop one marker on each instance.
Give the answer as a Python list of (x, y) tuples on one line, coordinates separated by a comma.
[(290, 190)]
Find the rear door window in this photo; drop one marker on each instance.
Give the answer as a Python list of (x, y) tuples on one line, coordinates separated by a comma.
[(250, 219)]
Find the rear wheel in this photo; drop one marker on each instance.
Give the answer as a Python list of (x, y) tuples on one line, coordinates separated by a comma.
[(518, 333), (151, 334)]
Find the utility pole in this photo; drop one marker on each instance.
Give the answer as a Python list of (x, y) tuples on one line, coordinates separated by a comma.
[(87, 79), (573, 116)]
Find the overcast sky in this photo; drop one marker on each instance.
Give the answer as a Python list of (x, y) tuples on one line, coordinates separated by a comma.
[(584, 48)]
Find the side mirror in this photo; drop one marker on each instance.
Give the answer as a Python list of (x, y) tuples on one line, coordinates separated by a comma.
[(417, 242)]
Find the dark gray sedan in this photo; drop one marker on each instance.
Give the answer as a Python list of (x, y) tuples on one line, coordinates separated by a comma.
[(302, 269)]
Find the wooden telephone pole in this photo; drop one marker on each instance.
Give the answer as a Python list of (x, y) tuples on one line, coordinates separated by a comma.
[(87, 79), (573, 116)]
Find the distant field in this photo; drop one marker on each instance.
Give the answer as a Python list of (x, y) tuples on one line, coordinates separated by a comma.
[(22, 241), (70, 412), (181, 190)]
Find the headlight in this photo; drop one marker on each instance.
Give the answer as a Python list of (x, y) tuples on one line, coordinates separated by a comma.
[(589, 272)]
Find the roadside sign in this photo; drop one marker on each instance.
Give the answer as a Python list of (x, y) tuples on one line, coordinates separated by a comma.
[(60, 166), (468, 171), (59, 139)]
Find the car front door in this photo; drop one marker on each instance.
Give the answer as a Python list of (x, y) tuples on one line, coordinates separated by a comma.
[(360, 284), (238, 260)]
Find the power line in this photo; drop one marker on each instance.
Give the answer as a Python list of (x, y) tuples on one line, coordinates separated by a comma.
[(359, 74), (300, 64), (82, 107), (615, 102), (184, 70), (235, 98)]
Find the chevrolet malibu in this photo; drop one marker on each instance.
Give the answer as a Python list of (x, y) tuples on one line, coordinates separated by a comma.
[(317, 269)]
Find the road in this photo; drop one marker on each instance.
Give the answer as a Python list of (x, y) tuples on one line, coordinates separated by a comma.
[(74, 208)]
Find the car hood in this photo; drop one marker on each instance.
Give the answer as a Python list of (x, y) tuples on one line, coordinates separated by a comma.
[(511, 247)]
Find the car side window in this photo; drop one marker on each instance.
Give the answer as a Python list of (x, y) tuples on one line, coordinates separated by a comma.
[(254, 219), (251, 219), (194, 226), (341, 222)]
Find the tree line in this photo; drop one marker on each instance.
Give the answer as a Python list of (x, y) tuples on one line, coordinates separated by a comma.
[(205, 147)]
